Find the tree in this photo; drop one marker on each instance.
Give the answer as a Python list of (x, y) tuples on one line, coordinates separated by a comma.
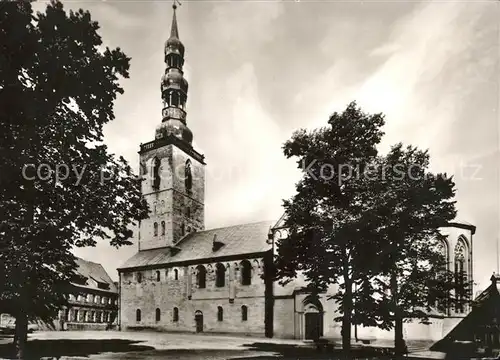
[(326, 216), (411, 204), (59, 186)]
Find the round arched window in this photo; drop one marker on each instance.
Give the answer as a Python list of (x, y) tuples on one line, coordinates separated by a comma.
[(188, 176)]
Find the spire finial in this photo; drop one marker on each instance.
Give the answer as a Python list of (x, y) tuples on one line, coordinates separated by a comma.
[(174, 32)]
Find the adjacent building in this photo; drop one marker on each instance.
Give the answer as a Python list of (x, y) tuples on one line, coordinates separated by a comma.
[(93, 302)]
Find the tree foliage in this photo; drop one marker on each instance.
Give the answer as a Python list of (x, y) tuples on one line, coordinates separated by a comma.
[(368, 223), (60, 187), (326, 214)]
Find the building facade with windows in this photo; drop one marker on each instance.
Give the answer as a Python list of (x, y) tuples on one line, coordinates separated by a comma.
[(93, 301), (186, 278)]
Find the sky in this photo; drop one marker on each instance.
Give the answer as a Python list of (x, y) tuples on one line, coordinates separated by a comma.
[(259, 70)]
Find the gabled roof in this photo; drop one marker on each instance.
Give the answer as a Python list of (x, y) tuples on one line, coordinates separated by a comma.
[(464, 330), (94, 271), (237, 240)]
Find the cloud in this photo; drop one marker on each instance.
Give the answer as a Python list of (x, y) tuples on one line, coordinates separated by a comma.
[(255, 166)]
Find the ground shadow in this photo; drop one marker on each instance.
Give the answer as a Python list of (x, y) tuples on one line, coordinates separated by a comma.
[(37, 349), (286, 351)]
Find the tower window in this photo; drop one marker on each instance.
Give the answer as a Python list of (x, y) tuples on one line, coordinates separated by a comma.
[(246, 273), (220, 276), (183, 230), (244, 313), (188, 212), (138, 315), (155, 229), (188, 177), (157, 315), (163, 227), (220, 313), (176, 274), (201, 277), (139, 278), (175, 314), (156, 173), (157, 276)]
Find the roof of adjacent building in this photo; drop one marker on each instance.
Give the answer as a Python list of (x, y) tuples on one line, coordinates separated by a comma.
[(237, 240), (96, 272)]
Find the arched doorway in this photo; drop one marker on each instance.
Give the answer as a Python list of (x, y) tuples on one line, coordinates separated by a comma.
[(198, 319), (313, 316)]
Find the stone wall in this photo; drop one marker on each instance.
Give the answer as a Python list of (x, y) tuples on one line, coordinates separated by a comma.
[(181, 210), (184, 294), (284, 319)]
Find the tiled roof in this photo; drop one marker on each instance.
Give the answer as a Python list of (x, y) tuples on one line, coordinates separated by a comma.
[(237, 240), (95, 271)]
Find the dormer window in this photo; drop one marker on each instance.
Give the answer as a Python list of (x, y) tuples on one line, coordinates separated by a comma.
[(216, 244)]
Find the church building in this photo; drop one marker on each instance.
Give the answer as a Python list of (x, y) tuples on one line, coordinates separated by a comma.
[(188, 279)]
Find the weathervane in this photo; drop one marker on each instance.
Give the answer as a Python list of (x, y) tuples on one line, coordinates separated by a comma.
[(175, 2)]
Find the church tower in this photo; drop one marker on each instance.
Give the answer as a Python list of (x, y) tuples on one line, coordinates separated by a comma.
[(173, 172)]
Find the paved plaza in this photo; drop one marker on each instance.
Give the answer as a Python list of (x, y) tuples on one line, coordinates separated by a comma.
[(102, 345)]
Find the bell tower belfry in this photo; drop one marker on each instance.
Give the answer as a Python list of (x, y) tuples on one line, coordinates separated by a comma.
[(172, 172)]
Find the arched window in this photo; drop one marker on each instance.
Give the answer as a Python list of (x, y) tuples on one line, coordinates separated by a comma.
[(201, 277), (461, 274), (175, 315), (157, 276), (156, 173), (75, 315), (163, 227), (244, 313), (188, 176), (138, 315), (139, 277), (220, 275), (246, 272), (155, 229), (157, 314), (176, 274), (443, 250), (220, 313)]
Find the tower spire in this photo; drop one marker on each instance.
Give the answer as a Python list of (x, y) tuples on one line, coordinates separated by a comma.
[(174, 88), (174, 31)]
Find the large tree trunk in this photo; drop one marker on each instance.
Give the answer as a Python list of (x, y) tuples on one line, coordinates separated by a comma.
[(399, 342), (347, 318), (346, 326), (21, 335)]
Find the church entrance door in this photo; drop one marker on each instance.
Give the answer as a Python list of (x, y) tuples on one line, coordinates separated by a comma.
[(314, 324), (198, 319)]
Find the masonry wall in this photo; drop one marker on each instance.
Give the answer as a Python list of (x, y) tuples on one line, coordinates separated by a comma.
[(284, 319), (181, 210), (184, 294)]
